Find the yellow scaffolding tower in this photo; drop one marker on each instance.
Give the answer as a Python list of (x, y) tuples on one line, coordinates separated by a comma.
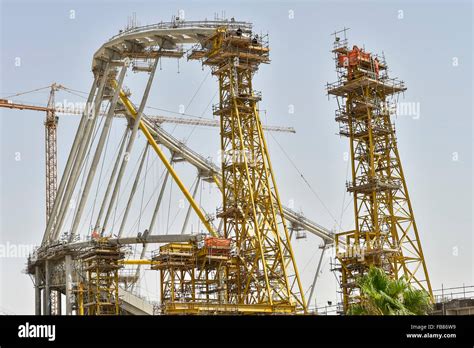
[(264, 271), (101, 293), (385, 233), (189, 273)]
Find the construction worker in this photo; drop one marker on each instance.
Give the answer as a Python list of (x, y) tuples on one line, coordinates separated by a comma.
[(354, 55), (376, 67)]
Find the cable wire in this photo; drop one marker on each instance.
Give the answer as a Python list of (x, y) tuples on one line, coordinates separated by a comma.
[(305, 180)]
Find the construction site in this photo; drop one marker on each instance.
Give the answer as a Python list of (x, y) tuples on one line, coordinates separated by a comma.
[(233, 254)]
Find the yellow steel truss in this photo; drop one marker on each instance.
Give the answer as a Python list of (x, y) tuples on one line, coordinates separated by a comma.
[(264, 270), (144, 128), (385, 231)]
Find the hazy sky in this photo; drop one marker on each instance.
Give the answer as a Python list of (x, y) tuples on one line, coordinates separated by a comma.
[(428, 44)]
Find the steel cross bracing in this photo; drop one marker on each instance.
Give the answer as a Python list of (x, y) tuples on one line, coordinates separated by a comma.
[(260, 272), (385, 233)]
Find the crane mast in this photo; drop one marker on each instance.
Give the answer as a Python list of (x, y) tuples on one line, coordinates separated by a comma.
[(51, 152)]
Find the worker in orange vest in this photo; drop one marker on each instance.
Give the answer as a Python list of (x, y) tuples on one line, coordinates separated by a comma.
[(376, 65)]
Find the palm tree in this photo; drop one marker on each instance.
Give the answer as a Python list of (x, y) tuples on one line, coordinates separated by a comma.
[(382, 295)]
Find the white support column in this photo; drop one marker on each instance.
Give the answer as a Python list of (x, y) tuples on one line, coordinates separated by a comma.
[(158, 202), (132, 192), (46, 290), (98, 152), (80, 156), (153, 218), (188, 213), (111, 179), (72, 154), (68, 271), (37, 291), (131, 141), (58, 301), (316, 275)]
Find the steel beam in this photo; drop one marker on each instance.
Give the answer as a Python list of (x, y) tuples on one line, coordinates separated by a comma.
[(188, 213), (69, 163), (132, 192), (318, 268), (111, 180), (158, 202), (79, 157), (153, 218), (156, 239), (68, 271), (131, 141), (47, 290), (98, 152), (37, 291), (204, 165), (146, 131)]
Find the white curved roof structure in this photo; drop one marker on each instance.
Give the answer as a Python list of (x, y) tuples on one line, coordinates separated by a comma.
[(168, 37)]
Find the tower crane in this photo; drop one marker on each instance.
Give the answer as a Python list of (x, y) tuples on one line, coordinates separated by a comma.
[(51, 123)]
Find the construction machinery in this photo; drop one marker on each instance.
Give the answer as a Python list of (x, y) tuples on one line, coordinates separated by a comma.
[(385, 233), (50, 123), (51, 157)]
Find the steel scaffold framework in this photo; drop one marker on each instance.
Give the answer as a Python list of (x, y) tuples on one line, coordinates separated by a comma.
[(385, 233), (249, 267), (258, 274), (264, 271), (101, 263)]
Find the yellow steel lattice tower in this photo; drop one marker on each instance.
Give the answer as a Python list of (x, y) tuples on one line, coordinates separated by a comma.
[(101, 294), (385, 233), (264, 271)]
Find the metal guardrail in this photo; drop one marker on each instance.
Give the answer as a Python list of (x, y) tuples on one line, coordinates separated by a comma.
[(327, 310), (184, 24), (440, 296), (456, 293)]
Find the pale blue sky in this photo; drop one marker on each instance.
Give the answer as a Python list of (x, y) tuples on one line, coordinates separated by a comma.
[(419, 49)]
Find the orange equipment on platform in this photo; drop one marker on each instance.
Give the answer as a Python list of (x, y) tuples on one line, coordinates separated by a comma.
[(356, 58), (217, 242)]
